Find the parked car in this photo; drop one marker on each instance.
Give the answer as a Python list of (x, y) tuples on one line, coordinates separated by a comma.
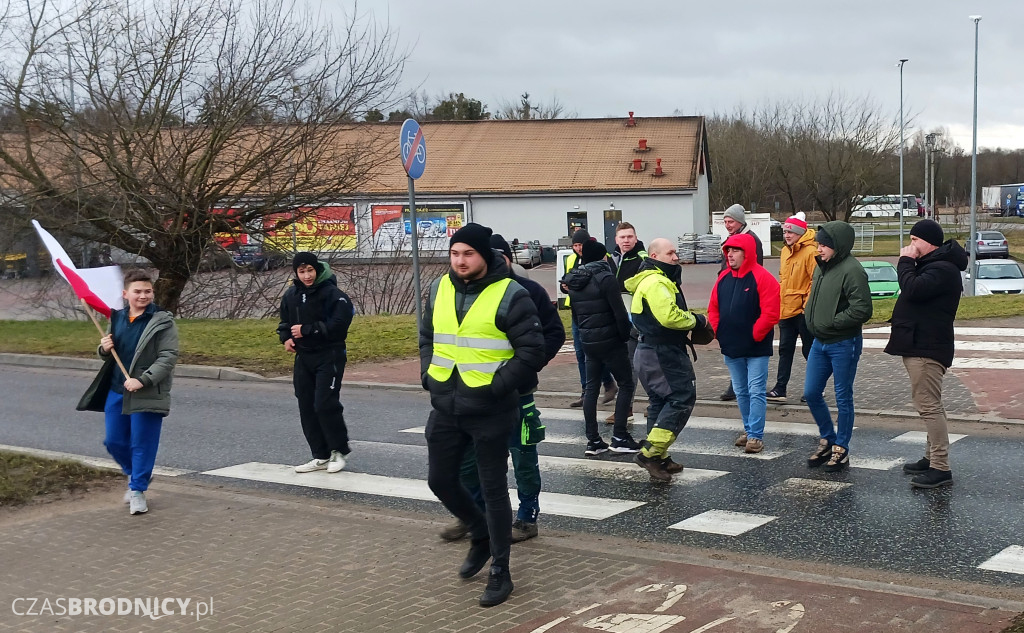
[(882, 279), (254, 256), (526, 254), (997, 277), (991, 244)]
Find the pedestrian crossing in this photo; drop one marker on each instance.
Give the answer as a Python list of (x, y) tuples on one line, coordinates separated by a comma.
[(613, 488), (973, 344)]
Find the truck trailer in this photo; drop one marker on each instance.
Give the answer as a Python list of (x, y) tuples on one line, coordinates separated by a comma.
[(1003, 200)]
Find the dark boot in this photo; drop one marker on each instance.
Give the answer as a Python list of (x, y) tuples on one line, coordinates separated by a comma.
[(933, 479), (654, 466), (456, 531), (577, 403), (920, 466), (499, 587), (670, 466), (479, 554), (728, 395)]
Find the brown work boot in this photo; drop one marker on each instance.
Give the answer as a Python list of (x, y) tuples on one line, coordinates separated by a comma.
[(654, 466), (670, 466), (753, 446), (577, 403), (609, 393), (741, 441), (455, 532)]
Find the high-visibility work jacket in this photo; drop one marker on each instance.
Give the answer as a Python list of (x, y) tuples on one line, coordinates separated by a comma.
[(570, 263), (476, 346)]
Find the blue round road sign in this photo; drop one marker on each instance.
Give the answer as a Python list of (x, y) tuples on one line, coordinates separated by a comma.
[(414, 148)]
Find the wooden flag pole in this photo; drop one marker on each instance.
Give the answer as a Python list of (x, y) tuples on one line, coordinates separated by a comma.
[(113, 352)]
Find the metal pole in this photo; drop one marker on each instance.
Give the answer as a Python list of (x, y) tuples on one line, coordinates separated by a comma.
[(931, 193), (415, 256), (927, 155), (903, 210), (974, 169)]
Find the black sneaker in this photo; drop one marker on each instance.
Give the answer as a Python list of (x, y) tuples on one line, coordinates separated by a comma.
[(670, 466), (523, 530), (803, 399), (654, 466), (728, 395), (932, 479), (821, 454), (625, 445), (596, 448), (776, 395), (920, 466), (499, 587), (840, 460), (479, 554)]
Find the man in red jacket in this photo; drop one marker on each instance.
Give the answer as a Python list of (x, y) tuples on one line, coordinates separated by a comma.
[(743, 311)]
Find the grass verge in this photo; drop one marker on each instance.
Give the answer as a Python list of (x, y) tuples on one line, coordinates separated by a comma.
[(252, 345), (24, 477)]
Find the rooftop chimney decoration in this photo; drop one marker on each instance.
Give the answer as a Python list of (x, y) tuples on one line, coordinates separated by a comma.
[(658, 171), (631, 122), (638, 165), (642, 146)]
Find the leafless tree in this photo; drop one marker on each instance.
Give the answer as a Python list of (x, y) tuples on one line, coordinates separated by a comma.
[(156, 125), (527, 108)]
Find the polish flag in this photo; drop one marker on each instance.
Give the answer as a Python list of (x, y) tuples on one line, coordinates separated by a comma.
[(100, 288)]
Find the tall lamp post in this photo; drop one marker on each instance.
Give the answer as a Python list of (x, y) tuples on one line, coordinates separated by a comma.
[(903, 206), (974, 167), (929, 145)]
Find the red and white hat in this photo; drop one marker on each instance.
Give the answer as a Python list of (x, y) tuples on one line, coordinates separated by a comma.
[(796, 224)]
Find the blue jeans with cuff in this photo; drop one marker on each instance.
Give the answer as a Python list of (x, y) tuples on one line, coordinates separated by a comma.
[(838, 360)]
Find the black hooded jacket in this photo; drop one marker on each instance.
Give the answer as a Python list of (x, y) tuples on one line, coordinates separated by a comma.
[(322, 309), (597, 307), (516, 317), (628, 264), (930, 288)]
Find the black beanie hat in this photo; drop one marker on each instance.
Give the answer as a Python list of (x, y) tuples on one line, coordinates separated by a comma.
[(580, 236), (822, 237), (475, 235), (498, 243), (593, 251), (305, 258), (929, 231)]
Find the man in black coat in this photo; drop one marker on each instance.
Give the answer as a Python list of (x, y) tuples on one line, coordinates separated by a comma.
[(922, 333), (315, 317), (480, 342), (603, 331)]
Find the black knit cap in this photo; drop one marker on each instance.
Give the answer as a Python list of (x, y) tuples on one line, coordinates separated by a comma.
[(593, 251), (305, 258), (580, 236), (929, 231), (498, 243), (822, 237), (476, 236)]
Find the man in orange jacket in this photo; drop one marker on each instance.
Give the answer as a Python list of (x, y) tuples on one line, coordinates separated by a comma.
[(796, 268)]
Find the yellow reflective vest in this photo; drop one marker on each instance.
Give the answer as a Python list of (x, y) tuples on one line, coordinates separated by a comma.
[(476, 347), (570, 263)]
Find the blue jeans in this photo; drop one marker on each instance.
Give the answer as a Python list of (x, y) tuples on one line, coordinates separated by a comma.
[(132, 440), (838, 360), (581, 361), (749, 381)]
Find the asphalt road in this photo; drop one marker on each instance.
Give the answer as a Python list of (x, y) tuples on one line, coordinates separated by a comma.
[(863, 518)]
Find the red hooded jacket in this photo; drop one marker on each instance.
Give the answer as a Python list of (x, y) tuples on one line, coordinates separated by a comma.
[(745, 304)]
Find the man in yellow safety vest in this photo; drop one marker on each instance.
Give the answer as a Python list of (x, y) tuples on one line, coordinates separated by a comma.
[(480, 342)]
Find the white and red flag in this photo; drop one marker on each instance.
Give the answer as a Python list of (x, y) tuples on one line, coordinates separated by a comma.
[(100, 287)]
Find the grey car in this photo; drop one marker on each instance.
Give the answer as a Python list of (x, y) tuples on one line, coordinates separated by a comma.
[(991, 244)]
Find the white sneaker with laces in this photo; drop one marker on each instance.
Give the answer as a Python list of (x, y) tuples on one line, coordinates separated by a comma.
[(336, 462), (311, 465), (128, 496), (137, 504)]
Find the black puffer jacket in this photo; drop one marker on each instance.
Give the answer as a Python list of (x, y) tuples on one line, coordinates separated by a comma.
[(516, 317), (930, 287), (322, 309), (597, 307)]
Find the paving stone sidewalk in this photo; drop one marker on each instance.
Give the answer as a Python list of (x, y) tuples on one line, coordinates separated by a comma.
[(266, 563)]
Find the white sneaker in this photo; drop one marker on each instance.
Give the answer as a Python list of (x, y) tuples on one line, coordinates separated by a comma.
[(311, 465), (336, 463), (137, 503), (128, 496)]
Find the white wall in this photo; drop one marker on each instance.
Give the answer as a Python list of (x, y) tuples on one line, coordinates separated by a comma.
[(545, 218)]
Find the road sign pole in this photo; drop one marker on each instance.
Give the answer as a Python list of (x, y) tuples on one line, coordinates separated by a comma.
[(415, 256)]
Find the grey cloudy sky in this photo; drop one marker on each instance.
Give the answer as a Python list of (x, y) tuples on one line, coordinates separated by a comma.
[(605, 58)]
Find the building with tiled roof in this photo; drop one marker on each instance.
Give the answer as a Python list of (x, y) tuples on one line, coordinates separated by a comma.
[(539, 180)]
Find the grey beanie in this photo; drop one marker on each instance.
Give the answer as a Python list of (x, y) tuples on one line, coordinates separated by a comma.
[(736, 212)]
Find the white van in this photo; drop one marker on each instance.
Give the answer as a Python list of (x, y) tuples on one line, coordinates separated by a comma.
[(883, 206)]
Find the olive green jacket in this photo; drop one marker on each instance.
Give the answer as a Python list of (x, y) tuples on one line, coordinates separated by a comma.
[(840, 299), (153, 365)]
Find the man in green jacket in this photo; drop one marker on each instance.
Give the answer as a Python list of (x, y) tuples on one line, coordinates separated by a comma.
[(659, 312), (837, 308)]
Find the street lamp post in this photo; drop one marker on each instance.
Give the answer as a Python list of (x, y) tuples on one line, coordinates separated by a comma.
[(974, 168), (903, 208), (929, 143)]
